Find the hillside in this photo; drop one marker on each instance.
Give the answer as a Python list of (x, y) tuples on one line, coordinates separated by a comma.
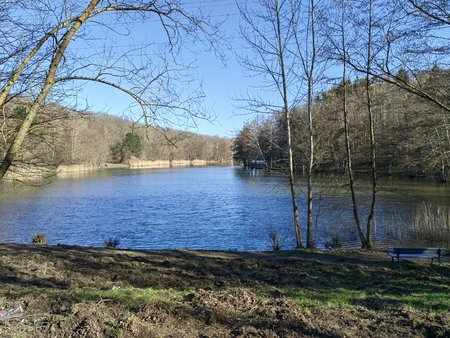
[(412, 135), (64, 137)]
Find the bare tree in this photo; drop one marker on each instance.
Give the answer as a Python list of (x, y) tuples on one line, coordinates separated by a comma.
[(51, 56), (437, 10), (402, 38), (368, 244), (268, 32), (351, 179), (410, 37), (363, 20), (305, 36)]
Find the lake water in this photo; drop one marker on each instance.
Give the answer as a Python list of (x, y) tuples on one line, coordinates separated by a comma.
[(222, 208)]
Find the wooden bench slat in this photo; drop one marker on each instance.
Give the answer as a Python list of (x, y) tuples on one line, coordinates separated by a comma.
[(413, 255), (417, 250)]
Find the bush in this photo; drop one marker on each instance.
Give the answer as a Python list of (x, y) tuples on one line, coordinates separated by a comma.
[(39, 239), (111, 242), (275, 240), (334, 242)]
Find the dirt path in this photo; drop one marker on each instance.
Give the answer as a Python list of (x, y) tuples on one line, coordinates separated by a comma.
[(91, 292)]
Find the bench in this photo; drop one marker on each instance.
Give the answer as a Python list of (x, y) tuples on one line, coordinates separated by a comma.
[(431, 253)]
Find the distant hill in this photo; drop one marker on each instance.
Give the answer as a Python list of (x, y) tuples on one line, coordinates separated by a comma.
[(64, 137), (412, 134)]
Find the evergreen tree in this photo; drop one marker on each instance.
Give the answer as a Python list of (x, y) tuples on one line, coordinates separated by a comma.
[(131, 146)]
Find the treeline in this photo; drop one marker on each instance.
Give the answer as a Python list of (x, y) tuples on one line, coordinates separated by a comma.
[(61, 136), (412, 134)]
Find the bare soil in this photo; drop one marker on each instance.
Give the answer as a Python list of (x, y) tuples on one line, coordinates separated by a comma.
[(92, 292)]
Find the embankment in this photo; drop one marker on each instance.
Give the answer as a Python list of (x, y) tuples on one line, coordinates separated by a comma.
[(139, 164), (92, 292), (134, 163)]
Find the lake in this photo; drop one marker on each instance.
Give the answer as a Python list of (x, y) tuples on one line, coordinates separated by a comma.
[(221, 208)]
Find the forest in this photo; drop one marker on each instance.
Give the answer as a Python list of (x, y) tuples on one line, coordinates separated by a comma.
[(61, 136), (346, 86), (413, 136)]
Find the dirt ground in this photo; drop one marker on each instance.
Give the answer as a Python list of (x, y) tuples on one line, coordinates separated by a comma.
[(91, 292)]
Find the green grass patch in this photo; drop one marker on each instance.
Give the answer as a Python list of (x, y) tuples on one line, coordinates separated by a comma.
[(435, 269), (434, 301), (370, 298), (324, 298), (133, 297), (407, 286)]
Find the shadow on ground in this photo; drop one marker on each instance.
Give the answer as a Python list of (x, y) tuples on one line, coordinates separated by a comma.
[(196, 293)]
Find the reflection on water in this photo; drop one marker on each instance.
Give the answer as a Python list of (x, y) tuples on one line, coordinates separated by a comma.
[(205, 208)]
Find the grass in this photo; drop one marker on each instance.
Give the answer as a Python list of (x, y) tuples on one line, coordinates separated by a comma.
[(39, 238), (438, 301), (431, 301), (421, 287), (125, 293), (324, 298), (443, 269), (133, 297), (378, 287)]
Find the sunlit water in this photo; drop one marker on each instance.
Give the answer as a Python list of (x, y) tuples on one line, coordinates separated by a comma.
[(201, 208)]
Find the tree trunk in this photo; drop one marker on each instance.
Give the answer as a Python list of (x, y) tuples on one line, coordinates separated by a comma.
[(368, 244), (287, 115), (309, 236), (351, 179), (49, 82), (15, 75)]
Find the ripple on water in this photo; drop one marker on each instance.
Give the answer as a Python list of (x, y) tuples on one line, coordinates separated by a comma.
[(198, 208)]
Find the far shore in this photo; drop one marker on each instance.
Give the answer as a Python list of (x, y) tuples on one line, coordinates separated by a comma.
[(139, 164)]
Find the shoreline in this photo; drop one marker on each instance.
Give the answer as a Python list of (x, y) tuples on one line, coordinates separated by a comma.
[(138, 164)]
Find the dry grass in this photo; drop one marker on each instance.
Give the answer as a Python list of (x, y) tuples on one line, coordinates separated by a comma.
[(39, 238), (432, 223)]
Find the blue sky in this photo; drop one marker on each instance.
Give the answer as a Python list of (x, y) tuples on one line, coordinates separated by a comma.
[(221, 80)]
